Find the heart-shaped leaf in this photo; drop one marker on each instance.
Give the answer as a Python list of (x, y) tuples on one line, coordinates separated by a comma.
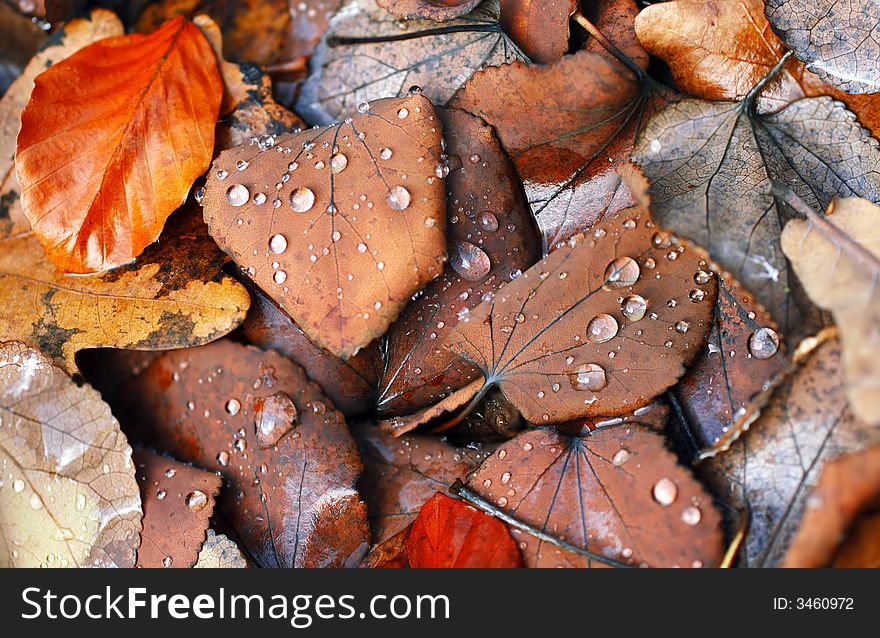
[(97, 178), (340, 226)]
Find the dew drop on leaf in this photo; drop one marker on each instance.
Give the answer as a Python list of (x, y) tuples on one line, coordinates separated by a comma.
[(622, 272), (302, 199), (590, 376), (763, 343), (274, 416), (634, 307), (469, 261), (602, 328), (237, 195), (398, 198)]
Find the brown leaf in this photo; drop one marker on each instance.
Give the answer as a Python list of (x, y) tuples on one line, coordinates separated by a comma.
[(539, 27), (288, 461), (399, 425), (359, 222), (72, 37), (565, 127), (173, 296), (220, 552), (847, 487), (711, 163), (308, 22), (350, 384), (837, 39), (772, 467), (837, 257), (436, 10), (344, 75), (71, 498), (491, 237), (617, 492), (97, 177), (615, 19), (400, 474), (177, 501), (598, 329)]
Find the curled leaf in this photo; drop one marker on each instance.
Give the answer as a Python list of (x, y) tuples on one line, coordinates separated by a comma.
[(70, 498), (220, 552)]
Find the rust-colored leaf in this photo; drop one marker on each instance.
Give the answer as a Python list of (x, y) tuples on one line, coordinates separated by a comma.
[(615, 20), (70, 498), (288, 461), (340, 226), (220, 552), (617, 492), (177, 501), (173, 296), (539, 27), (491, 238), (72, 37), (436, 10), (111, 141)]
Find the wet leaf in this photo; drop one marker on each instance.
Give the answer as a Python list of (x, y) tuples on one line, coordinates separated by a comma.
[(710, 165), (837, 39), (340, 226), (346, 75), (837, 257), (565, 127), (220, 552), (98, 180), (848, 487), (177, 501), (288, 462), (173, 296), (598, 329), (615, 20), (617, 492), (772, 467), (72, 37), (400, 474), (437, 10), (491, 237), (539, 27), (69, 498)]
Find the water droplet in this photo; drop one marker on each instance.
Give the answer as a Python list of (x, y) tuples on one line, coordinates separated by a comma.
[(363, 107), (665, 491), (702, 277), (274, 416), (398, 198), (682, 326), (233, 407), (241, 165), (602, 328), (238, 195), (469, 260), (336, 236), (697, 295), (505, 478), (292, 166), (279, 277), (317, 407), (260, 199), (402, 113), (170, 472), (590, 376), (278, 244), (362, 248), (691, 515), (302, 199), (763, 343), (634, 307), (386, 153), (221, 174), (18, 485), (200, 194), (620, 457), (166, 562), (338, 162), (622, 272), (240, 445), (161, 494), (223, 458), (196, 500), (488, 221)]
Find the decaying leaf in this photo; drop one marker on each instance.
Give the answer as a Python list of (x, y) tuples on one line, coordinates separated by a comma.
[(288, 461), (710, 165), (539, 27), (838, 40), (220, 552), (72, 37), (177, 501), (345, 75), (491, 238), (772, 467), (617, 492), (400, 474), (70, 498), (103, 167), (341, 225), (847, 487), (175, 295), (596, 329), (837, 257), (436, 10)]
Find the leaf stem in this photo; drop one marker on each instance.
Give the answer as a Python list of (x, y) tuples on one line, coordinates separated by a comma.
[(469, 496), (464, 412), (745, 518), (752, 96), (609, 46), (334, 40)]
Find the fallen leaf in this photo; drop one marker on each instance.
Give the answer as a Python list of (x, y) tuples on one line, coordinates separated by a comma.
[(288, 462), (617, 492), (398, 425), (70, 38), (390, 553), (345, 75), (102, 170), (837, 257), (491, 238), (539, 27), (838, 40), (771, 468), (597, 329), (710, 165), (400, 474), (175, 295), (177, 501), (615, 20), (436, 10), (847, 487), (309, 20), (220, 552), (360, 221), (71, 498)]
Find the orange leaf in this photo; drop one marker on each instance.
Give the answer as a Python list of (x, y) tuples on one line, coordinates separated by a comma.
[(112, 140)]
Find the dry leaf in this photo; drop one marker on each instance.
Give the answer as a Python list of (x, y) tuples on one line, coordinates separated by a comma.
[(539, 27), (437, 10), (340, 226), (173, 296), (837, 257), (103, 168), (220, 552), (70, 496), (177, 501)]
